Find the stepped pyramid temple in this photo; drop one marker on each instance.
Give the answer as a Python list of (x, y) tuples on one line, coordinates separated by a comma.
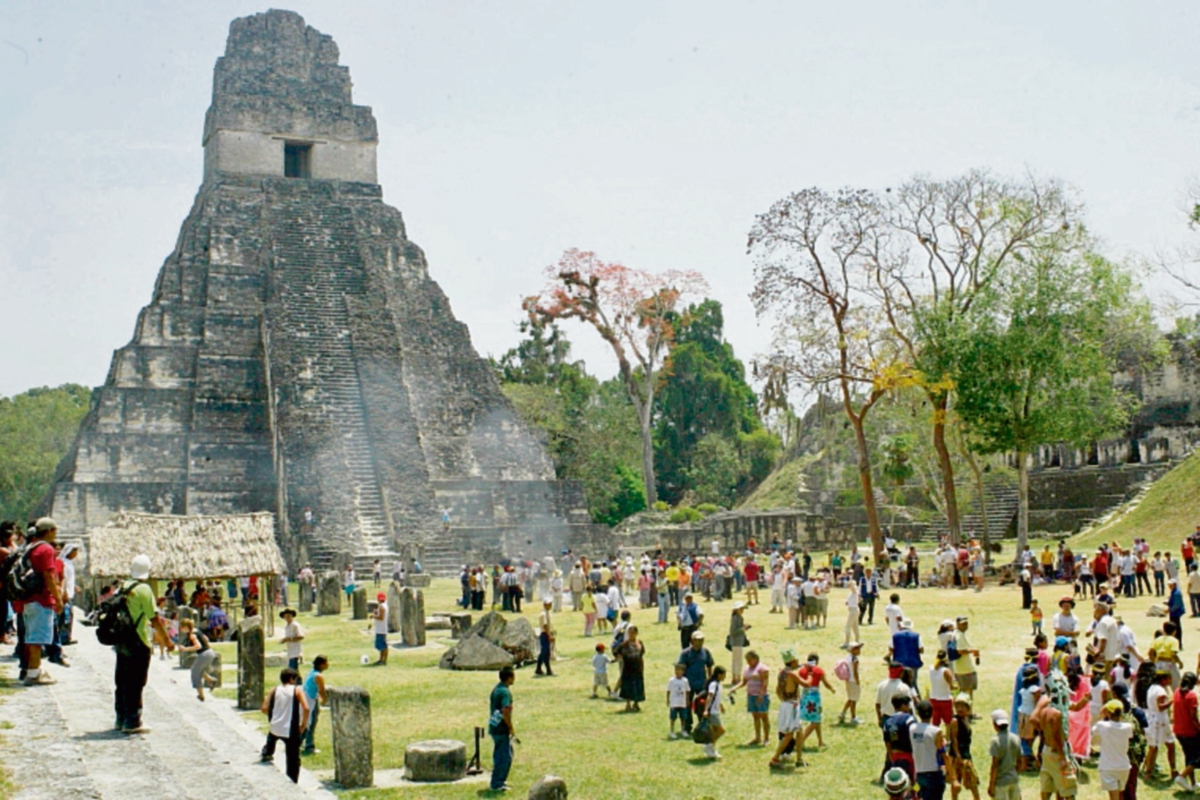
[(296, 356)]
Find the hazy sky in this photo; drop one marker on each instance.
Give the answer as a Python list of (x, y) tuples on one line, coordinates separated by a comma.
[(649, 132)]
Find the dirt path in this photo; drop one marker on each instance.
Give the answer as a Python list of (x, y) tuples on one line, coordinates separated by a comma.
[(60, 743)]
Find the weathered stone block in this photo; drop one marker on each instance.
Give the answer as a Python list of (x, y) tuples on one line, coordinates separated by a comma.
[(394, 590), (417, 581), (548, 787), (460, 623), (412, 617), (250, 646), (475, 652), (306, 598), (353, 750), (437, 622), (360, 603), (435, 760), (520, 640), (329, 598)]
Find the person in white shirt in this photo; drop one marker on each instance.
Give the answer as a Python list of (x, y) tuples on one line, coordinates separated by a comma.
[(778, 588), (851, 632), (1064, 622), (602, 606), (67, 616), (556, 590), (795, 599), (293, 637), (286, 708), (677, 701), (893, 614), (889, 688), (1128, 644), (808, 612), (1107, 643), (1193, 590), (1158, 722), (1111, 735), (381, 629)]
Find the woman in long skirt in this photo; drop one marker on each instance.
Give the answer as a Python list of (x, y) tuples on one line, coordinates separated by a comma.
[(633, 684)]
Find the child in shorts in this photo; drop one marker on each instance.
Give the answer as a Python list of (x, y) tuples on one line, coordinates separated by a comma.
[(1035, 616), (677, 702), (600, 664), (853, 686)]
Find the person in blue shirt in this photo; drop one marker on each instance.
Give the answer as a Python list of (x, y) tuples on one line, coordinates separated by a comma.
[(906, 646)]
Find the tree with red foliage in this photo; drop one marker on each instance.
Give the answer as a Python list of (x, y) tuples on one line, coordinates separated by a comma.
[(633, 311)]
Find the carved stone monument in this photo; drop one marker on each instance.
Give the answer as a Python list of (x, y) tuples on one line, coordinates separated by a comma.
[(360, 603), (353, 752), (250, 645), (394, 590), (329, 598), (412, 617)]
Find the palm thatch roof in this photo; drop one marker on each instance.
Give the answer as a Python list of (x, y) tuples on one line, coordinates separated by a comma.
[(188, 547)]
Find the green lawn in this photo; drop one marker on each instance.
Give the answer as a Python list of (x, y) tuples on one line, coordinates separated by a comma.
[(1169, 511), (602, 752)]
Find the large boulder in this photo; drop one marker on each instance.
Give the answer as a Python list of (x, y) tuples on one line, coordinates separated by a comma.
[(490, 626), (475, 652), (435, 760), (548, 787), (520, 640)]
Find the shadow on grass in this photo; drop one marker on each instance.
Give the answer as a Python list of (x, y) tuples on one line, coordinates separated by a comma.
[(702, 761), (100, 736)]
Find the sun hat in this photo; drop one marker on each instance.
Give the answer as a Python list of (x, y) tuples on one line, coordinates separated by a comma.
[(139, 569), (698, 636), (906, 624), (895, 781), (738, 606), (788, 655), (1114, 707), (964, 698), (287, 611)]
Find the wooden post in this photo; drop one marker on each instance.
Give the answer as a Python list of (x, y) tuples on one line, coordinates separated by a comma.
[(350, 712)]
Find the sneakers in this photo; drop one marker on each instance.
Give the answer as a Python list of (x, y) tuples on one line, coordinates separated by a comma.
[(1185, 784), (42, 679)]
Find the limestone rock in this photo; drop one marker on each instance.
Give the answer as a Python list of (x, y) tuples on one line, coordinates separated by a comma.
[(437, 622), (412, 617), (360, 603), (275, 660), (435, 760), (548, 787), (329, 598), (250, 644), (418, 581), (520, 640), (394, 589), (1156, 610), (350, 725), (460, 624), (490, 626), (475, 652)]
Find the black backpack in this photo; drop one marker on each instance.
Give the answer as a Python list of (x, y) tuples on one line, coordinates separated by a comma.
[(21, 581), (115, 626)]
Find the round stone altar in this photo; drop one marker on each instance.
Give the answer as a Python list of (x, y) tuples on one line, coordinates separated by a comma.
[(435, 760)]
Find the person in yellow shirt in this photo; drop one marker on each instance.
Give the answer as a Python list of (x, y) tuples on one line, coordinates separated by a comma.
[(1164, 652), (673, 583)]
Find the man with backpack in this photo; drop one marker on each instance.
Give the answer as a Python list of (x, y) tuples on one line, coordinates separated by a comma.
[(125, 626), (32, 584)]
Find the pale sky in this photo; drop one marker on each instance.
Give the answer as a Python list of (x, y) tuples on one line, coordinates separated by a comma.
[(649, 132)]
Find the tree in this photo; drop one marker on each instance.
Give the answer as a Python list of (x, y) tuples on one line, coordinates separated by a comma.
[(633, 311), (815, 255), (958, 237), (703, 392), (36, 430), (1035, 364), (715, 471)]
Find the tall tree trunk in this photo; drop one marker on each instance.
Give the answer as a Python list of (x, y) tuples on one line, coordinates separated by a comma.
[(648, 482), (864, 474), (946, 467), (1022, 501), (980, 490)]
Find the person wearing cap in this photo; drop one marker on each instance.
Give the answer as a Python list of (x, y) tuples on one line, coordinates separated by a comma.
[(38, 611), (737, 641), (898, 785), (293, 636), (133, 658), (787, 689), (1004, 783), (697, 664), (689, 618), (380, 619), (853, 683)]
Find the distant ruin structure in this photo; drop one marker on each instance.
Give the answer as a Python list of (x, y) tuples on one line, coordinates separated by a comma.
[(297, 357)]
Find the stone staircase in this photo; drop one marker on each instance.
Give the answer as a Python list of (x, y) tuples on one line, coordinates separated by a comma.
[(317, 258), (1000, 507)]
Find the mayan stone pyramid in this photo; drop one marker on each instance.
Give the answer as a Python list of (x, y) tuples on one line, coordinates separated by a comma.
[(297, 355)]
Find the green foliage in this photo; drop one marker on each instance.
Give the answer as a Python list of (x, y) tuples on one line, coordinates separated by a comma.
[(896, 466), (716, 470), (704, 393), (662, 505), (708, 508), (685, 514), (36, 429), (590, 428)]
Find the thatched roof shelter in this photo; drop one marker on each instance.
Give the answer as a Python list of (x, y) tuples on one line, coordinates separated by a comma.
[(187, 547)]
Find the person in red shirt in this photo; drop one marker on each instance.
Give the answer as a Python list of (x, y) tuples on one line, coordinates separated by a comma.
[(1100, 568), (37, 613), (1188, 552), (751, 573), (1186, 727)]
